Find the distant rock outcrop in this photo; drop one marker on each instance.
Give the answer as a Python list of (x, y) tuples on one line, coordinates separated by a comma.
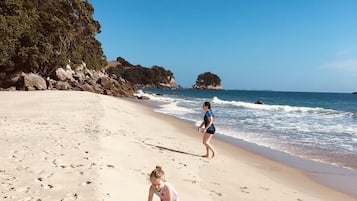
[(354, 92), (259, 102), (154, 77), (208, 80)]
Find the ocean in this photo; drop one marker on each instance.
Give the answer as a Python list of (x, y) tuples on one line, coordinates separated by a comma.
[(316, 132), (320, 127)]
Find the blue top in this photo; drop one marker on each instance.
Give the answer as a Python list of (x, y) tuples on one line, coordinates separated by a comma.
[(207, 115)]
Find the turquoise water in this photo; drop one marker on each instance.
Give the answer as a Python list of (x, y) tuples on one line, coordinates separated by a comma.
[(316, 126)]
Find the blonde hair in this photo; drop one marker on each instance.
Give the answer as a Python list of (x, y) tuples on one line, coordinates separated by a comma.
[(158, 173)]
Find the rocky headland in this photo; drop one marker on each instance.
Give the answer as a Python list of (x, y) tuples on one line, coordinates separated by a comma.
[(140, 76), (79, 79)]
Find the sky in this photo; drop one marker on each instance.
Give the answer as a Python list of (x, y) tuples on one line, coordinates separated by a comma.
[(280, 45)]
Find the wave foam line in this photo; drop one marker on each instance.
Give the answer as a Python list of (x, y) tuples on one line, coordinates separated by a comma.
[(285, 108)]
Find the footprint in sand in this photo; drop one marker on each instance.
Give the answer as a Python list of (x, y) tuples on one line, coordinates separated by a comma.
[(86, 183), (24, 189), (243, 189), (218, 193), (191, 181), (215, 183), (70, 196), (47, 187), (183, 164), (264, 188), (110, 166)]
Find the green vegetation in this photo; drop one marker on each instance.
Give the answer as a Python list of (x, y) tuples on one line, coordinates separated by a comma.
[(41, 36), (207, 78), (140, 75)]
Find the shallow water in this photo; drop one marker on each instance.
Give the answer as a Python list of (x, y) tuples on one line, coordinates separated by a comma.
[(316, 126)]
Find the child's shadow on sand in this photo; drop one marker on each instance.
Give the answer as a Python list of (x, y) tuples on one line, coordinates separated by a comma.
[(173, 150)]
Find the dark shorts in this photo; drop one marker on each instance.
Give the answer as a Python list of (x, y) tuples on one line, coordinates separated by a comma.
[(211, 131)]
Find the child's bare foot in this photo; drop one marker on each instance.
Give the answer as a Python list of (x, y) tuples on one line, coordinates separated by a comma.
[(213, 154)]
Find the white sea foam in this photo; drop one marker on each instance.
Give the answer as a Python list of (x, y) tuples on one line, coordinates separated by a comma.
[(283, 108), (173, 108), (290, 129)]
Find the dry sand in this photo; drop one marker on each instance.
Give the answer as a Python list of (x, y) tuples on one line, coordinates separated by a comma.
[(65, 145)]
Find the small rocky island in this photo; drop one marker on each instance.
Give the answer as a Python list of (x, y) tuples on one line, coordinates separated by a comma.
[(208, 80)]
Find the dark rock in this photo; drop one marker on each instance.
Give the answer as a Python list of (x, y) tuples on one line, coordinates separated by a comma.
[(2, 75), (106, 82), (87, 87), (98, 89), (142, 97), (50, 83), (60, 85), (259, 102), (14, 79)]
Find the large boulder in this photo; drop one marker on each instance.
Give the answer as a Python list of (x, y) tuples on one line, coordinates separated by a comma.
[(60, 85), (87, 87), (63, 75), (33, 81), (106, 82)]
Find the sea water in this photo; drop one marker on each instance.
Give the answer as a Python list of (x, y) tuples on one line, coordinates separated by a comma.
[(315, 126)]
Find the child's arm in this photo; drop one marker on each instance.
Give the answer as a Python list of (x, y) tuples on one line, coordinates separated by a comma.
[(151, 193), (169, 193), (203, 123)]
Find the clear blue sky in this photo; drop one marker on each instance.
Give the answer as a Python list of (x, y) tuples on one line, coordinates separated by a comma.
[(282, 45)]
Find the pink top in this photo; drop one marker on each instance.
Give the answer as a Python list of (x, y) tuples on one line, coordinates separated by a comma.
[(163, 194)]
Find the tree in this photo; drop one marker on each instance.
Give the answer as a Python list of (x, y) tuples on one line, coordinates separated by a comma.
[(207, 78), (41, 36), (140, 75)]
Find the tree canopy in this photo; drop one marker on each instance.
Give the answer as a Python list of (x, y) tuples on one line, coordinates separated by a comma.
[(41, 36), (208, 78), (140, 75)]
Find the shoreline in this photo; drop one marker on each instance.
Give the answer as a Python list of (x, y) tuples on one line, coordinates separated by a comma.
[(69, 145), (340, 178), (335, 177)]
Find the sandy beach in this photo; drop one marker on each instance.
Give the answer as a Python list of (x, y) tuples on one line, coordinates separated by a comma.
[(67, 145)]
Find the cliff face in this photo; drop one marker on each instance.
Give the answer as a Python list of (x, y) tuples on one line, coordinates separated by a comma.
[(154, 77), (208, 80)]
